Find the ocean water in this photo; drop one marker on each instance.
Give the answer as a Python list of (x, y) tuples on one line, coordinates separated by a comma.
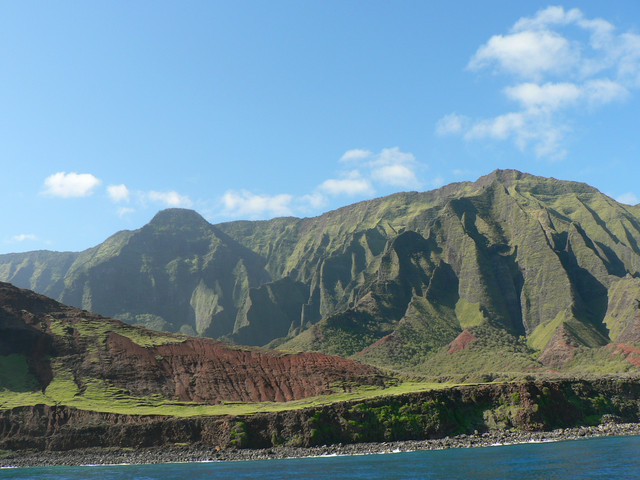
[(606, 458)]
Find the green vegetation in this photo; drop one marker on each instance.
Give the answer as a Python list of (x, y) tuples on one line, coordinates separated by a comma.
[(390, 281), (96, 395), (470, 314), (63, 389), (597, 361), (239, 435), (425, 328), (14, 374), (494, 354), (624, 296), (396, 420), (543, 333), (97, 332), (6, 453)]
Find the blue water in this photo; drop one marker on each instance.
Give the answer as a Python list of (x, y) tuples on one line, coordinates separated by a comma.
[(606, 458)]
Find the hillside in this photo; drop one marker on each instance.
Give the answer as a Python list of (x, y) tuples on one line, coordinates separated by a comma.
[(58, 355), (511, 272)]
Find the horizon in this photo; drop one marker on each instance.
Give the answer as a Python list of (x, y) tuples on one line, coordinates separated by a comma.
[(253, 111)]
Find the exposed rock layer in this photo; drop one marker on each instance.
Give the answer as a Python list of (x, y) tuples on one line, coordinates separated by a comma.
[(144, 363), (532, 406)]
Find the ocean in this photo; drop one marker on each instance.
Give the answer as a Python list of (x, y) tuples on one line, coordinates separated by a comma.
[(604, 457)]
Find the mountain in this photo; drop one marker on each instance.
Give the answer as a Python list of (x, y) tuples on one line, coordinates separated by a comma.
[(53, 353), (511, 272)]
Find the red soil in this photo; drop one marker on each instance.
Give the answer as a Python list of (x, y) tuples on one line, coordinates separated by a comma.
[(194, 369), (631, 354), (462, 341)]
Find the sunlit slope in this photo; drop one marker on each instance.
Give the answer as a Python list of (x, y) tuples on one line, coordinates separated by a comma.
[(543, 265)]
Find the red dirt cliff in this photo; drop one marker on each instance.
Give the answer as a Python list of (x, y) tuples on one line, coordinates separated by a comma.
[(178, 367)]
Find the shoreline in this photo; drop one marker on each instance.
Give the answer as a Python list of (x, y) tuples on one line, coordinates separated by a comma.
[(199, 453)]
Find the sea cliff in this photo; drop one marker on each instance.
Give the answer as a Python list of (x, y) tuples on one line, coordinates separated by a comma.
[(458, 416)]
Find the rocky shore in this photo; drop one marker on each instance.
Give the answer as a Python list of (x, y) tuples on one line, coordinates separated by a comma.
[(177, 454), (457, 417)]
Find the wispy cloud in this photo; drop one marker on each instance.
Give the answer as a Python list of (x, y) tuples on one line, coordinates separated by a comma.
[(245, 203), (551, 70), (451, 123), (396, 168), (527, 54), (312, 201), (355, 154), (363, 174), (170, 199), (68, 185), (628, 199), (351, 184), (118, 193), (24, 237), (122, 211), (397, 175)]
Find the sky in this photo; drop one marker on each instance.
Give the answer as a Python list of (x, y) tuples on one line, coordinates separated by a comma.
[(112, 111)]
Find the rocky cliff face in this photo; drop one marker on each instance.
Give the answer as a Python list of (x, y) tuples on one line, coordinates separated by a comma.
[(533, 406), (69, 353), (392, 281)]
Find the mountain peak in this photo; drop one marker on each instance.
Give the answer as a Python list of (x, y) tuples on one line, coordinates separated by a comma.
[(178, 217), (535, 184), (506, 177)]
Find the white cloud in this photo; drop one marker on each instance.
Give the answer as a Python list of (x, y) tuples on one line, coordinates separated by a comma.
[(525, 129), (24, 237), (245, 203), (351, 186), (500, 127), (564, 73), (122, 211), (171, 199), (390, 167), (396, 175), (550, 96), (528, 54), (546, 140), (554, 96), (366, 170), (395, 167), (67, 185), (628, 199), (394, 156), (549, 16), (629, 59), (355, 154), (118, 193), (451, 123), (363, 172), (314, 200), (603, 91)]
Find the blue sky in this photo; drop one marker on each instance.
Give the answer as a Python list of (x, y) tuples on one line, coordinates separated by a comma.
[(111, 111)]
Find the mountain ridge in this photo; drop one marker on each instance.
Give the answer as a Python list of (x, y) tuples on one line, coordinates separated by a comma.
[(394, 279)]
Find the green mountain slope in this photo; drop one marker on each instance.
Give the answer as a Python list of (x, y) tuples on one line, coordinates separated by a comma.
[(544, 266)]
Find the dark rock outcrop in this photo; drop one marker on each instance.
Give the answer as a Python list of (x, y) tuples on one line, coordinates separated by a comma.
[(527, 407)]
